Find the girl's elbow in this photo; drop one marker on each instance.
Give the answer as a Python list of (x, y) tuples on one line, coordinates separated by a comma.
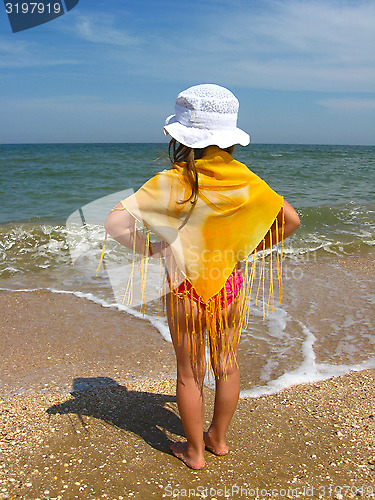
[(107, 225), (292, 220), (296, 222), (292, 224), (111, 224), (118, 224)]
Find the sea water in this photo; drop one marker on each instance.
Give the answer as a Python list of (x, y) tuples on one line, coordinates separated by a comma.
[(322, 328)]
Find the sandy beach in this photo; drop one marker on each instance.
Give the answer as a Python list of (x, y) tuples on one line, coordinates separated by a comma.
[(88, 411)]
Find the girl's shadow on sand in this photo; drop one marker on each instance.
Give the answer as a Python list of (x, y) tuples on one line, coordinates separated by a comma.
[(143, 413)]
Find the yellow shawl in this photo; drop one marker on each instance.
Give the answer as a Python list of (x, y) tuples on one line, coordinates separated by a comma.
[(234, 212)]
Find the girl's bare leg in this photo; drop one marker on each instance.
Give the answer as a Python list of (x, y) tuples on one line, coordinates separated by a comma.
[(227, 393), (226, 398), (189, 388)]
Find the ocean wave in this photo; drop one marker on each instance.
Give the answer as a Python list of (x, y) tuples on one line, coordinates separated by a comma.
[(308, 370), (41, 253)]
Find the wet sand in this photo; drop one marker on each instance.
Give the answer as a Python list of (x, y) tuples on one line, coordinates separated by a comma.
[(98, 410), (51, 339)]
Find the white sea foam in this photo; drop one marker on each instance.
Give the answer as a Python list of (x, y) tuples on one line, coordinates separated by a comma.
[(308, 371), (158, 323)]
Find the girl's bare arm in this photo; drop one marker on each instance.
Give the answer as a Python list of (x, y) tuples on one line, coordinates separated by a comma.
[(292, 222), (120, 224)]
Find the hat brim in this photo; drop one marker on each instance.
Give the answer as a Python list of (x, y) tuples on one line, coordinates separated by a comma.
[(200, 138)]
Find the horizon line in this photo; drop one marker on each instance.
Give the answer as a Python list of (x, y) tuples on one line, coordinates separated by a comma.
[(166, 143)]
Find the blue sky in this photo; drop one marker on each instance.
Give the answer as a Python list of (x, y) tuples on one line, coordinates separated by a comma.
[(110, 70)]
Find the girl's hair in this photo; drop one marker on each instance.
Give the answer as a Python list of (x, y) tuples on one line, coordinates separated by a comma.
[(180, 153)]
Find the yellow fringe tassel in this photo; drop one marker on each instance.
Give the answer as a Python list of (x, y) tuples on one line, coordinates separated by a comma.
[(102, 254), (223, 323)]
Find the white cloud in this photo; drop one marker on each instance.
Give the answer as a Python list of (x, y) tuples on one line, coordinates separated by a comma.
[(75, 102), (305, 45), (79, 118), (96, 28), (100, 29), (316, 45), (348, 104), (286, 45), (21, 54)]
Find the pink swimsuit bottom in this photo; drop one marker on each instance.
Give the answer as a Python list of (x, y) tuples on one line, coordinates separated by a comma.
[(232, 289)]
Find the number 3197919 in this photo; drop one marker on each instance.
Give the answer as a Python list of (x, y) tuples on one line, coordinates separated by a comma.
[(32, 8)]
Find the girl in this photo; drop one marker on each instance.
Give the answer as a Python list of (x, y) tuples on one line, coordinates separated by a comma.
[(210, 213)]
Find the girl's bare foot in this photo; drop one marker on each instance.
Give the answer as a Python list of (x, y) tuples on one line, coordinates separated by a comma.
[(180, 450), (219, 449)]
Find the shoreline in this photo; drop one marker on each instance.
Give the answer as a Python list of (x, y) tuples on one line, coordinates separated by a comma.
[(101, 411), (51, 339), (313, 338)]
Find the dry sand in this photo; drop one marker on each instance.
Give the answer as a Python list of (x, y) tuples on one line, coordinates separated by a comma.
[(109, 437)]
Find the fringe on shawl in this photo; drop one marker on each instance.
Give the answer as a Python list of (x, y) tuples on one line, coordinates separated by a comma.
[(211, 323)]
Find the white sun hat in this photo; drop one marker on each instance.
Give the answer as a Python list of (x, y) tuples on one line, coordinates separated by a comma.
[(206, 115)]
